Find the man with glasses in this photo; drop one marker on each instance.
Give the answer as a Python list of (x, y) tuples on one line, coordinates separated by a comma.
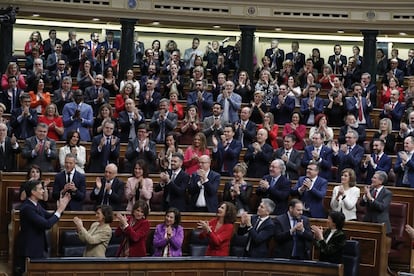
[(348, 155), (394, 110), (141, 148)]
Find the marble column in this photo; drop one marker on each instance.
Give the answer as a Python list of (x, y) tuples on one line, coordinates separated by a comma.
[(126, 58), (247, 49)]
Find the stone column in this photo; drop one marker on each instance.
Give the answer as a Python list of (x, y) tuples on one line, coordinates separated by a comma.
[(370, 50), (7, 19), (247, 49), (126, 58)]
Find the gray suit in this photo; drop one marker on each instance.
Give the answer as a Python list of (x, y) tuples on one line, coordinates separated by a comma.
[(169, 124), (293, 164), (44, 158), (209, 129), (378, 210)]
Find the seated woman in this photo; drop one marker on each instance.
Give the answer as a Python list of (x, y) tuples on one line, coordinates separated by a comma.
[(238, 191), (99, 234), (35, 173), (272, 129), (193, 152), (190, 126), (134, 230), (321, 125), (385, 134), (296, 129), (169, 236), (170, 147), (139, 185), (345, 196), (219, 230), (73, 146), (330, 242), (52, 118)]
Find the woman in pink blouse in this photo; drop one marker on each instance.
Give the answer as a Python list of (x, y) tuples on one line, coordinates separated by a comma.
[(296, 129), (13, 70), (193, 152), (138, 186)]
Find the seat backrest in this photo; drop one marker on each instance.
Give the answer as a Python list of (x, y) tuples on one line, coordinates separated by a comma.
[(113, 245), (351, 257), (198, 246), (238, 245), (71, 245), (398, 218), (157, 200)]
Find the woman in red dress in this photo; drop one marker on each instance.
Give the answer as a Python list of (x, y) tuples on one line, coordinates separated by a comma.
[(219, 230), (296, 129), (54, 121)]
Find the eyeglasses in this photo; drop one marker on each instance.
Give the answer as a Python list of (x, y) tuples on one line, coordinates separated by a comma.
[(348, 137)]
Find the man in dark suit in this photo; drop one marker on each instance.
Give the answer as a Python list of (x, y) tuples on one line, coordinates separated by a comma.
[(297, 57), (23, 119), (226, 151), (49, 44), (352, 124), (93, 44), (282, 106), (78, 55), (377, 161), (394, 110), (290, 156), (275, 186), (404, 167), (369, 90), (311, 189), (203, 187), (104, 148), (292, 233), (377, 200), (258, 155), (394, 71), (320, 154), (40, 150), (96, 95), (139, 50), (70, 181), (34, 221), (53, 59), (110, 44), (311, 106), (276, 56), (109, 190), (337, 61), (174, 183), (8, 150), (141, 148), (245, 130), (213, 125), (259, 228), (129, 120), (348, 155), (202, 99), (77, 115), (163, 122), (149, 99), (11, 96), (359, 106), (56, 76)]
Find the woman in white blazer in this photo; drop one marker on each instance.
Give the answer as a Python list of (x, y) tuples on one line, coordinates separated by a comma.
[(72, 146)]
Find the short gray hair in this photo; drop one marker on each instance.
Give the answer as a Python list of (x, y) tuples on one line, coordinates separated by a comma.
[(270, 205)]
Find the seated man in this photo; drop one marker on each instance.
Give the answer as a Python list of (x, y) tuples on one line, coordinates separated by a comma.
[(141, 148), (9, 148), (109, 190), (260, 229), (40, 150), (226, 152)]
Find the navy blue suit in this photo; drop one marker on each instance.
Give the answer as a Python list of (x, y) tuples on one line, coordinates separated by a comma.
[(325, 163), (352, 109), (351, 160), (227, 158), (283, 114), (175, 191), (299, 62), (82, 124), (149, 107), (372, 89), (23, 127), (249, 133), (305, 111), (279, 193), (206, 104), (115, 199), (258, 164), (77, 197), (259, 238), (383, 164), (394, 115), (313, 198), (210, 191), (400, 172), (98, 160)]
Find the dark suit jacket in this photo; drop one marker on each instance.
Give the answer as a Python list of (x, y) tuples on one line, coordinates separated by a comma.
[(372, 89), (325, 163), (378, 210), (15, 99), (384, 164), (205, 105), (148, 108), (78, 196), (97, 161), (312, 199), (227, 158), (400, 172), (249, 133), (284, 239), (361, 134), (125, 125), (34, 221), (305, 111), (351, 160), (394, 115), (276, 58), (283, 114), (210, 190), (399, 74), (91, 95), (352, 109), (43, 159), (258, 164), (48, 48), (176, 191), (115, 199), (132, 155), (299, 62), (279, 193), (209, 130), (333, 250), (259, 238), (23, 128), (59, 101), (331, 61), (293, 164), (8, 158), (170, 124)]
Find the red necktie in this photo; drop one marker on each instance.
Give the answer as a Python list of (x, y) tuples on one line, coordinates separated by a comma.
[(375, 193), (376, 160), (360, 112)]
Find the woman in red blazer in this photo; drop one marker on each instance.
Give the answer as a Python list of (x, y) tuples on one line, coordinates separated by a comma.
[(219, 230), (134, 229)]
